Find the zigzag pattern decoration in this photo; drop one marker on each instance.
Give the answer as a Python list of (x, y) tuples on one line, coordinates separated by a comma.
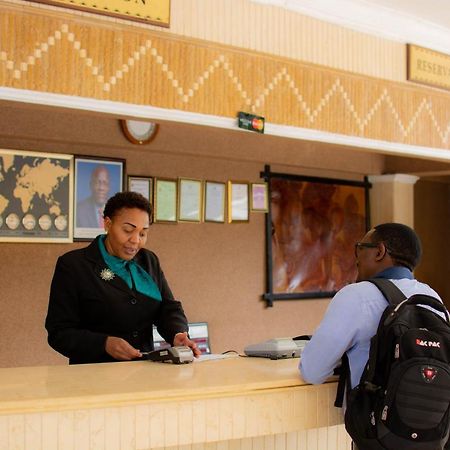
[(243, 91)]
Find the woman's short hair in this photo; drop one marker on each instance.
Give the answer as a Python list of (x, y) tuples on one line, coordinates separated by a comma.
[(402, 243), (126, 199)]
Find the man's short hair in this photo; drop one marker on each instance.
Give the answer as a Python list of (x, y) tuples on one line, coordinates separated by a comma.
[(402, 243), (126, 199)]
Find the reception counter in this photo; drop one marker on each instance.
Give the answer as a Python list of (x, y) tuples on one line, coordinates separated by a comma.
[(233, 403)]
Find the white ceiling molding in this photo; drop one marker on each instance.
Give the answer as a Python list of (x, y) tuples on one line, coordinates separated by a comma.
[(400, 178), (127, 110), (393, 23)]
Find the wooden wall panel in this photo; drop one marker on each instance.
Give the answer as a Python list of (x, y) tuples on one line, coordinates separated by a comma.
[(280, 32), (50, 51)]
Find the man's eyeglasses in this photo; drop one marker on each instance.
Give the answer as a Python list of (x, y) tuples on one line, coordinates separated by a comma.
[(364, 245)]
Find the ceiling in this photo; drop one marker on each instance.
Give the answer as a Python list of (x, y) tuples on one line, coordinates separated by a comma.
[(432, 11), (421, 22)]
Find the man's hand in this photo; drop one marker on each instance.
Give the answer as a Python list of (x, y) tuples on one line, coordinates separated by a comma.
[(120, 349), (182, 339)]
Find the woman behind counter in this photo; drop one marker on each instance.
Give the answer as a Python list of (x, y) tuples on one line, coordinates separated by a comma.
[(105, 297)]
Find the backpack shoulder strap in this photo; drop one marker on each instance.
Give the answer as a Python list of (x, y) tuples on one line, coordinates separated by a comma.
[(390, 291), (394, 296), (344, 379)]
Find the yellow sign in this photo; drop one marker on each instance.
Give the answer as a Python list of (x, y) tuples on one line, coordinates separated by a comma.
[(428, 67), (156, 12)]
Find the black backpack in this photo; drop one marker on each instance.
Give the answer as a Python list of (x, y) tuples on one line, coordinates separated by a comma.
[(403, 398)]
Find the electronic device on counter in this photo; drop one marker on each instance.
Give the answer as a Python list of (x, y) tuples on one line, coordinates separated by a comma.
[(277, 348), (177, 355), (198, 332)]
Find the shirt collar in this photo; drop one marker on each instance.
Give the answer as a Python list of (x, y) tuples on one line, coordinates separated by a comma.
[(112, 261), (395, 273)]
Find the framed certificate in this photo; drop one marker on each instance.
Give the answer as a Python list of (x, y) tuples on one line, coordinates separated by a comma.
[(190, 200), (141, 185), (165, 200), (238, 210), (215, 197), (259, 197)]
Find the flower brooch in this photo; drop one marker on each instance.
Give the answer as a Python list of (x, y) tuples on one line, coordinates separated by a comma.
[(107, 274)]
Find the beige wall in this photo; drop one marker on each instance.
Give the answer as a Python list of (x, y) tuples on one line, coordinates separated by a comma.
[(218, 271), (432, 222)]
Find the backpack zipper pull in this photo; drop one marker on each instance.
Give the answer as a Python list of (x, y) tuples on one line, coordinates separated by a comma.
[(397, 351), (384, 413)]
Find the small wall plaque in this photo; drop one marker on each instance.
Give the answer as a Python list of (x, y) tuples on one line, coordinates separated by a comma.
[(428, 67)]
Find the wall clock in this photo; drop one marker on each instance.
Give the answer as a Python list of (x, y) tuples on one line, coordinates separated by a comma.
[(139, 132)]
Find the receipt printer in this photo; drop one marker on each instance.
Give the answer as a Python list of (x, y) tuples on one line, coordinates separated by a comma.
[(177, 355)]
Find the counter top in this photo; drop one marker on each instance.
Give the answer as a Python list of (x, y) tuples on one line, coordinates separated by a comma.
[(66, 387)]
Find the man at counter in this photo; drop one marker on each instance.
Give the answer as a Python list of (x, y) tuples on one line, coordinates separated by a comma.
[(389, 250), (105, 298)]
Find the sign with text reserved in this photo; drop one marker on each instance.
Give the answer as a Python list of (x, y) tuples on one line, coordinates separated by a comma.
[(156, 12), (428, 67)]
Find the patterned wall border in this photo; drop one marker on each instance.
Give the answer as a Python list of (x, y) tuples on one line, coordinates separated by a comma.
[(82, 57)]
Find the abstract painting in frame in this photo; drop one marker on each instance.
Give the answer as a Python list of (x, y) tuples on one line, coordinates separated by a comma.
[(312, 227)]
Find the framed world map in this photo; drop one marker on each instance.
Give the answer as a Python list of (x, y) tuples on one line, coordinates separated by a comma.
[(36, 197)]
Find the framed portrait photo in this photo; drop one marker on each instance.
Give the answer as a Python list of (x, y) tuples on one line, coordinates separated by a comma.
[(141, 185), (190, 200), (238, 207), (96, 180), (165, 200), (36, 196), (259, 197), (215, 194)]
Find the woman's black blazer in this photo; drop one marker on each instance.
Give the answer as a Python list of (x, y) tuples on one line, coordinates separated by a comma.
[(84, 309)]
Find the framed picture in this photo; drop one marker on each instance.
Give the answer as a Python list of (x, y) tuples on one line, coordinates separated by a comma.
[(238, 208), (36, 196), (165, 200), (96, 180), (215, 199), (311, 232), (259, 198), (190, 200), (142, 185)]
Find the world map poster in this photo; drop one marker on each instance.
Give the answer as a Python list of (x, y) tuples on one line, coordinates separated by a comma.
[(35, 196)]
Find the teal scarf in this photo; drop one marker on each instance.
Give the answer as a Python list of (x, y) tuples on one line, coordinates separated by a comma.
[(130, 272)]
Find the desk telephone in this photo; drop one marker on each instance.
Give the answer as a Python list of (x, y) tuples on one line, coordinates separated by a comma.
[(278, 348)]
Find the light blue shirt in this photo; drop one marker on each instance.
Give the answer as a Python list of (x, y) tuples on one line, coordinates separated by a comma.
[(350, 321)]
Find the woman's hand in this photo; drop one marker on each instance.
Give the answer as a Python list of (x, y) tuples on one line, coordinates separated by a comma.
[(182, 339), (120, 349)]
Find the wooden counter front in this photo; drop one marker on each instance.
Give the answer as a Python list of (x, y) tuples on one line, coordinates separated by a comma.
[(239, 403)]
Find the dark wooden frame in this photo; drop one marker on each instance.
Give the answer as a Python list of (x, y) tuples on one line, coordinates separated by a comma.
[(269, 296)]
